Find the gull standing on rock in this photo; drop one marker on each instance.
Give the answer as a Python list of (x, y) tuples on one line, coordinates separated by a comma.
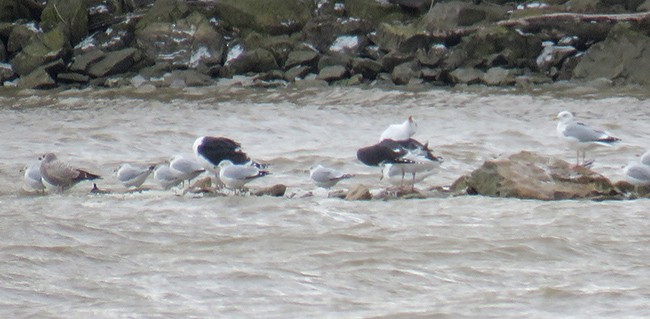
[(236, 176), (185, 168), (637, 174), (400, 132), (213, 150), (580, 136), (60, 176), (164, 176), (133, 176), (326, 177)]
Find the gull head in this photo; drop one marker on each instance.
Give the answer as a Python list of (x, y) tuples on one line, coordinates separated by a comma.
[(564, 116), (48, 157), (225, 163)]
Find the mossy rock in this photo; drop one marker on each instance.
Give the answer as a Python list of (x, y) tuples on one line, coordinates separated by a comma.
[(72, 14), (41, 49), (269, 16)]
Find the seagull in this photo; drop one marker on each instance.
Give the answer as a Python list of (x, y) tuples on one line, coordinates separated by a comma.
[(645, 158), (326, 177), (235, 176), (580, 136), (418, 162), (33, 179), (386, 151), (185, 168), (164, 176), (60, 176), (637, 174), (133, 176), (213, 150), (400, 132)]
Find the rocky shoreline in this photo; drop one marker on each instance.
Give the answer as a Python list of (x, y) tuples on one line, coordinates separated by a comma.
[(172, 43)]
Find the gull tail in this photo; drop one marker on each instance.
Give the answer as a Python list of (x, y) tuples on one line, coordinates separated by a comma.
[(83, 175)]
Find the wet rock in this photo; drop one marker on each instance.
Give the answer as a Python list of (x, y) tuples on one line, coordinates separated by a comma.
[(71, 77), (37, 79), (81, 62), (403, 38), (72, 15), (42, 49), (528, 175), (277, 190), (302, 57), (258, 60), (270, 16), (624, 56), (453, 14), (102, 12), (115, 62), (366, 67), (185, 78), (332, 73), (553, 55), (20, 36), (334, 60), (184, 42), (358, 192), (403, 73), (117, 37), (499, 76), (297, 72), (6, 72), (466, 76), (394, 58)]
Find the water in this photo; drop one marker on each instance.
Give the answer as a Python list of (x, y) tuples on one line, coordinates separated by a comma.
[(160, 255)]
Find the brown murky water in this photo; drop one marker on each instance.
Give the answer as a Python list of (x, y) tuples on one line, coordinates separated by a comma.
[(159, 255)]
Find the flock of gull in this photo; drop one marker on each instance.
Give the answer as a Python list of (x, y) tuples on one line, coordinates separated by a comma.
[(402, 159)]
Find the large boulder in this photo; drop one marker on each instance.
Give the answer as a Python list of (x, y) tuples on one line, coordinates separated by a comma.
[(164, 11), (72, 15), (186, 42), (404, 38), (119, 36), (529, 175), (374, 11), (115, 62), (280, 45), (322, 31), (268, 16), (258, 61), (624, 57), (103, 12), (21, 35), (43, 48), (454, 14)]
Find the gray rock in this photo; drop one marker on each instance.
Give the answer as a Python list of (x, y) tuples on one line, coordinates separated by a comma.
[(332, 73), (553, 55), (431, 74), (308, 83), (115, 62), (3, 52), (164, 11), (41, 49), (37, 79), (297, 72), (358, 192), (258, 61), (403, 38), (430, 58), (366, 67), (624, 56), (499, 76), (394, 58), (466, 76), (332, 60), (302, 57), (420, 5), (348, 44), (454, 14), (72, 14), (270, 16), (356, 79), (185, 42), (322, 31), (103, 12), (20, 36), (183, 78), (374, 11), (71, 77), (6, 72), (117, 37), (280, 46), (81, 62), (528, 175), (277, 190), (403, 73)]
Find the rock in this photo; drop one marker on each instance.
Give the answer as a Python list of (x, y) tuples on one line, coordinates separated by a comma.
[(297, 72), (527, 175), (3, 52), (37, 79), (20, 36), (102, 12), (348, 45), (394, 58), (72, 78), (454, 14), (429, 74), (466, 76), (499, 76), (115, 62), (6, 72), (403, 73), (419, 5), (366, 67), (81, 62), (553, 55), (374, 11), (184, 78), (309, 83), (358, 192), (403, 38), (164, 11), (430, 58), (333, 60), (185, 42), (566, 70), (302, 57), (133, 5), (280, 46), (71, 14), (269, 16), (258, 61), (624, 56), (117, 37), (322, 31), (277, 190), (356, 79), (332, 73), (41, 49)]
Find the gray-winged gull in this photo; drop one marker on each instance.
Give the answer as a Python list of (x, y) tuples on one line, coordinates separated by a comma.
[(326, 177), (236, 176), (33, 179), (185, 168), (165, 177), (133, 175), (580, 136)]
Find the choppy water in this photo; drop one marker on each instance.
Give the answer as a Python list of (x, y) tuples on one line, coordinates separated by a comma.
[(159, 255)]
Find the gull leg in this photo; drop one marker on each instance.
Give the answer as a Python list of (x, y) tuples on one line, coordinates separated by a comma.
[(413, 183)]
